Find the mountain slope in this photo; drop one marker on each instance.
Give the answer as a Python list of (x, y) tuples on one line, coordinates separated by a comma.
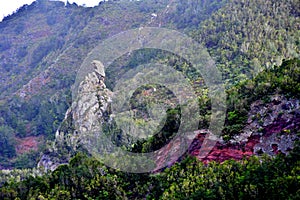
[(43, 45), (246, 37), (35, 89)]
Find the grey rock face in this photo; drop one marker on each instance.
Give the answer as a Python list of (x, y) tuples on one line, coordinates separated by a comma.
[(273, 123), (85, 115), (99, 67)]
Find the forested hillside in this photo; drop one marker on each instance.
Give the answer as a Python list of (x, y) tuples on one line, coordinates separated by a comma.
[(255, 46), (39, 60), (35, 84), (246, 37)]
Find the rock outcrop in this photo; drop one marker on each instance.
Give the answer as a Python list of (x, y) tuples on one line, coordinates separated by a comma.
[(86, 114), (271, 128)]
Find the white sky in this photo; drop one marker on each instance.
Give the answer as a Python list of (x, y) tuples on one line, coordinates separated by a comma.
[(9, 6)]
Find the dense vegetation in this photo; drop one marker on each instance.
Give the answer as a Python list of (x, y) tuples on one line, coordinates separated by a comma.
[(39, 60), (255, 45), (254, 178), (87, 178), (246, 37)]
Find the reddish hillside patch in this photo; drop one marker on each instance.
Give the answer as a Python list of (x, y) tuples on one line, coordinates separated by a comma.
[(27, 144), (222, 152)]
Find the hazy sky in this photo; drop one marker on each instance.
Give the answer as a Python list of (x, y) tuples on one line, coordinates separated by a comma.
[(9, 6)]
